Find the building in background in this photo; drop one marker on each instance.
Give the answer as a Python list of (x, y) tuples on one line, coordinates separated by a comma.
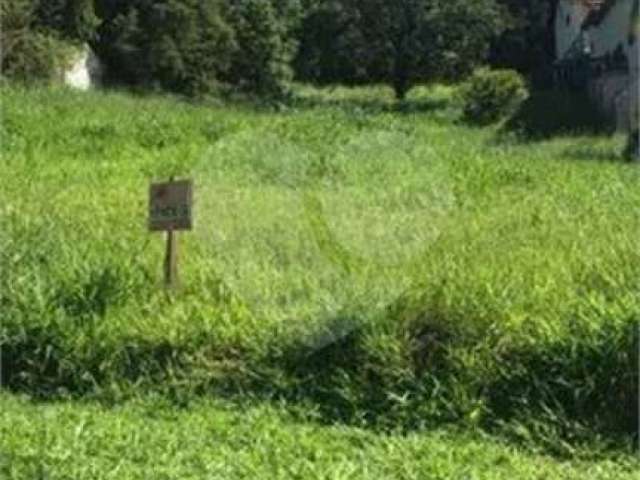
[(597, 50)]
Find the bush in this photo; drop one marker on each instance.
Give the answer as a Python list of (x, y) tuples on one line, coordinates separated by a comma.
[(177, 45), (73, 19), (574, 113), (264, 46), (192, 47), (492, 95), (332, 45), (29, 53)]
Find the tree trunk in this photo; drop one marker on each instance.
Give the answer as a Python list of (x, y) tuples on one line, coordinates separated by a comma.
[(401, 84), (632, 152)]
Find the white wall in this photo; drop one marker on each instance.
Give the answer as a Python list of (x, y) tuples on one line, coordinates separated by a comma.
[(606, 36), (613, 30), (85, 70), (566, 35), (615, 92)]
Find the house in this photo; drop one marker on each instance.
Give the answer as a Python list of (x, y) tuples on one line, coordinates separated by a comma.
[(597, 50), (570, 17)]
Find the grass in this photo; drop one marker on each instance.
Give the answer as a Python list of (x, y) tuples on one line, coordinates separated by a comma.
[(147, 438), (387, 267)]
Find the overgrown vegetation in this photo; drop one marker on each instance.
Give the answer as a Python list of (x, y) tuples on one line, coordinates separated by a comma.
[(81, 440), (400, 43), (574, 113), (492, 95), (31, 52), (182, 46), (386, 268), (199, 48), (195, 48)]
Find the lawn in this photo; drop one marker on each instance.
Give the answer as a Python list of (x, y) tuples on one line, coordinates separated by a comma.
[(383, 266), (152, 439)]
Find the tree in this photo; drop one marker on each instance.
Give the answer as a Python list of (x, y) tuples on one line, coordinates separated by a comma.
[(401, 42), (182, 46), (528, 42), (195, 46), (331, 44), (35, 48), (72, 19), (265, 45)]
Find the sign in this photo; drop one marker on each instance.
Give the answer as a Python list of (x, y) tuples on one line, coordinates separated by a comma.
[(170, 206)]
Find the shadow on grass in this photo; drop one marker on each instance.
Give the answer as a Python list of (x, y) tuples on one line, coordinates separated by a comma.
[(553, 113), (593, 154), (408, 378), (373, 106)]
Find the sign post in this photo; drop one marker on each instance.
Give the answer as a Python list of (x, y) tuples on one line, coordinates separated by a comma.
[(170, 210)]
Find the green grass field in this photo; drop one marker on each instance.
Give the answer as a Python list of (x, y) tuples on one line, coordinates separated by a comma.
[(378, 269), (152, 439)]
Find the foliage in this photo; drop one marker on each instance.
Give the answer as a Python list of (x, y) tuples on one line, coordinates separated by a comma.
[(233, 441), (573, 113), (332, 44), (29, 53), (381, 268), (73, 19), (179, 45), (401, 43), (528, 43), (192, 47), (492, 95), (265, 45)]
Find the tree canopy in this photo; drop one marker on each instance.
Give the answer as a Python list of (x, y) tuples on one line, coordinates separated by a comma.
[(192, 46), (400, 43)]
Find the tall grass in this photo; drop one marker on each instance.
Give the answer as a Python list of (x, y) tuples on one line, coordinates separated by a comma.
[(388, 266)]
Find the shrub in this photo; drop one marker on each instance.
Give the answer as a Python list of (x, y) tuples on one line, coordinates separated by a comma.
[(73, 19), (492, 95), (178, 45), (574, 113), (192, 47), (265, 45), (29, 53), (399, 43)]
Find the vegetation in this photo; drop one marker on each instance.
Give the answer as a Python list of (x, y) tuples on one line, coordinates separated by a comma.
[(383, 267), (266, 45), (401, 43), (572, 112), (492, 95), (230, 442), (183, 46), (194, 47), (30, 51), (178, 45), (528, 42), (73, 19), (366, 275), (251, 46)]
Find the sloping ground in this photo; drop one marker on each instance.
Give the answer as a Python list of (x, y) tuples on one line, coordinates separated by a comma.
[(152, 439), (387, 267)]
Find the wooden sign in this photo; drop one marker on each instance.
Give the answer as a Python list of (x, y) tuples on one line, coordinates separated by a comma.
[(170, 209), (170, 206)]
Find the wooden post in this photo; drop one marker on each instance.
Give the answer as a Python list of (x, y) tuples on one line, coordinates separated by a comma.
[(170, 211), (171, 261)]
